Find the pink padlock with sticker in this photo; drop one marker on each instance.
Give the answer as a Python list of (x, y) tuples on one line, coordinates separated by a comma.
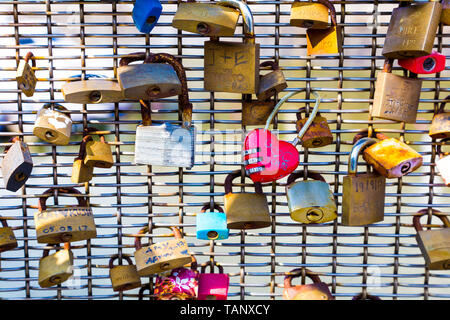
[(213, 286)]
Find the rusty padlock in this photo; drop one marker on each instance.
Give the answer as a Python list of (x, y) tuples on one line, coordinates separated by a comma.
[(445, 15), (255, 112), (7, 239), (309, 14), (318, 134), (91, 88), (98, 153), (272, 82), (440, 125), (443, 164), (25, 75), (53, 124), (16, 165), (318, 290), (56, 268), (80, 172), (123, 277), (69, 224)]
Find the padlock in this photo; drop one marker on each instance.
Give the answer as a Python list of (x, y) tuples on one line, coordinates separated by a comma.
[(310, 201), (162, 256), (80, 172), (93, 89), (245, 210), (366, 297), (445, 15), (272, 82), (432, 63), (396, 97), (208, 19), (309, 14), (212, 225), (440, 125), (363, 194), (52, 125), (412, 30), (318, 134), (123, 277), (443, 164), (25, 75), (255, 112), (434, 244), (146, 14), (233, 66), (213, 286), (69, 224), (327, 41), (56, 268), (7, 239), (318, 290), (16, 165), (167, 144), (98, 153), (147, 80)]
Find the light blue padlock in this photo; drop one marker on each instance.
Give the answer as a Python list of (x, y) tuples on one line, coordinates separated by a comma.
[(212, 225), (146, 14)]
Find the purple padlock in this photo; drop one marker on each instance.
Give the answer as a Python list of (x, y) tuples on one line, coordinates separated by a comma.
[(213, 286)]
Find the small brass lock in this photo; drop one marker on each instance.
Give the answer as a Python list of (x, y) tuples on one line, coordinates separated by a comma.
[(25, 75), (255, 112), (443, 164), (445, 15), (98, 153), (123, 277), (318, 134), (56, 268), (440, 125), (16, 165), (80, 172), (272, 82), (318, 290), (7, 239), (309, 14), (53, 124), (93, 89)]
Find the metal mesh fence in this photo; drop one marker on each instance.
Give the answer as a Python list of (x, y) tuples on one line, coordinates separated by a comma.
[(88, 37)]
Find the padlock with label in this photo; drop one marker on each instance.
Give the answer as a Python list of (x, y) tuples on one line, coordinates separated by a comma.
[(25, 75), (443, 164), (98, 153), (213, 286), (434, 244), (161, 256), (318, 290), (440, 125), (123, 277), (68, 224), (93, 89), (56, 268), (255, 112), (396, 97), (245, 210), (146, 14), (309, 14), (80, 172), (16, 165), (211, 225), (318, 134), (432, 63), (412, 30), (53, 124), (233, 66), (445, 15), (7, 239), (272, 82)]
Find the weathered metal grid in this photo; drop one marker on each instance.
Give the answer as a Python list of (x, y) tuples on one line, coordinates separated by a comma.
[(72, 37)]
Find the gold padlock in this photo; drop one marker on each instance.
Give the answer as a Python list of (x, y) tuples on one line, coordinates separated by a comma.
[(16, 165), (396, 97), (255, 112), (53, 124), (440, 125), (25, 75), (91, 90), (271, 83), (7, 239), (445, 15), (80, 172), (68, 224), (309, 14), (123, 277), (56, 268), (318, 134), (98, 153)]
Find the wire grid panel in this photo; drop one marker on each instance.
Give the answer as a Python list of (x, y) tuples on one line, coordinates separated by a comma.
[(71, 38)]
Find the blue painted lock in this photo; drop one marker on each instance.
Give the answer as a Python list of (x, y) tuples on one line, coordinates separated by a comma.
[(146, 14), (212, 225)]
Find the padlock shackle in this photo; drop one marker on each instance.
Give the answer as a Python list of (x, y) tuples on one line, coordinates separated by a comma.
[(272, 64), (439, 147), (116, 256), (288, 279), (299, 174), (303, 109), (132, 57), (42, 206), (364, 133), (57, 106), (146, 113), (4, 222), (247, 17), (387, 66), (142, 289), (90, 130), (423, 212), (29, 56), (233, 175), (47, 251), (210, 263), (215, 206), (82, 151), (443, 103), (144, 230), (357, 149), (368, 297), (330, 7)]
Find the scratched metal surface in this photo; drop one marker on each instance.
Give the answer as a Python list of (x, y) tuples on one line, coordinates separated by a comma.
[(70, 38)]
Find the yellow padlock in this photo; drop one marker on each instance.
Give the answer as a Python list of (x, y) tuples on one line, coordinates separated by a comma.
[(123, 277), (98, 153), (56, 268), (7, 239), (25, 75), (80, 172)]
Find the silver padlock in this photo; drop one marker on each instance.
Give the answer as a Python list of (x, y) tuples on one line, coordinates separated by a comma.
[(16, 165)]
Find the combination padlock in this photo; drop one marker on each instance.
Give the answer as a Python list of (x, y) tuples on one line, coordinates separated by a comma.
[(309, 14), (92, 89), (432, 63), (25, 75), (7, 239), (443, 164), (440, 125), (80, 172), (317, 290), (211, 225), (146, 14), (318, 134), (56, 268), (271, 83), (16, 165), (53, 124), (123, 277), (213, 286), (98, 153)]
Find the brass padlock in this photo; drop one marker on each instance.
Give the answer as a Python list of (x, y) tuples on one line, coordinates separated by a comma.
[(434, 244), (7, 239), (123, 277), (53, 124), (25, 75), (255, 112), (318, 290), (440, 125), (67, 224), (161, 256), (92, 89), (310, 201), (147, 80), (16, 165), (233, 66), (56, 268), (309, 14), (445, 15), (245, 210), (208, 19), (396, 97), (363, 194), (98, 153), (412, 30), (318, 134), (443, 164), (271, 83), (80, 172)]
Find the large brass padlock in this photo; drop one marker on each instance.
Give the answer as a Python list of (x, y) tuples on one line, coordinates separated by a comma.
[(309, 14), (396, 97), (440, 125), (123, 277), (443, 164), (25, 75), (93, 89), (53, 124), (80, 172), (245, 210), (233, 66), (318, 134), (363, 194), (310, 201), (434, 244), (56, 268), (272, 82), (412, 30), (161, 256), (208, 19), (7, 239), (445, 15), (317, 290), (67, 224), (147, 80), (16, 165), (98, 153)]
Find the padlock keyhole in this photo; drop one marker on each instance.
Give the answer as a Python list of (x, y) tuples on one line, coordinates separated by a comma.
[(308, 24), (202, 28), (49, 135), (95, 96), (405, 168), (65, 237), (165, 266), (150, 19), (20, 176), (154, 91), (429, 64), (212, 235), (316, 142), (314, 215), (55, 279)]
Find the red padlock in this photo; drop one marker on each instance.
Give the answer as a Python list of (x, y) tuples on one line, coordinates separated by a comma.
[(213, 286), (432, 63)]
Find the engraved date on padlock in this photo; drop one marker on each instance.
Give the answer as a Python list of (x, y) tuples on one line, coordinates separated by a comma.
[(52, 229)]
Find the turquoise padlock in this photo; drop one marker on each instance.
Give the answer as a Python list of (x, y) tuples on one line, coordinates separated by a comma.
[(212, 225), (146, 14)]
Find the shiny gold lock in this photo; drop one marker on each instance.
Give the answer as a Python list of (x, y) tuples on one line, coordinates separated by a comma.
[(396, 97), (445, 15), (161, 256), (7, 239), (98, 153), (80, 172), (70, 224), (25, 75), (440, 125), (53, 124), (309, 14), (318, 290), (56, 268), (245, 210), (91, 90), (16, 165), (434, 244), (318, 134), (123, 277), (271, 83), (412, 30), (255, 112), (233, 66)]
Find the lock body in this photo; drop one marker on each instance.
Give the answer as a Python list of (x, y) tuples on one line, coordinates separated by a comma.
[(309, 15), (124, 277), (318, 134), (323, 41), (445, 15), (246, 211), (213, 286), (443, 166), (80, 172), (55, 268), (98, 154), (270, 84), (256, 112), (146, 14), (435, 248), (25, 78), (92, 91), (53, 126), (7, 239), (433, 63), (440, 126), (313, 291), (16, 166), (212, 226)]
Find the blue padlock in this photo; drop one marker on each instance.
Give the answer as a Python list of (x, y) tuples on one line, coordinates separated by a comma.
[(212, 225), (146, 14)]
